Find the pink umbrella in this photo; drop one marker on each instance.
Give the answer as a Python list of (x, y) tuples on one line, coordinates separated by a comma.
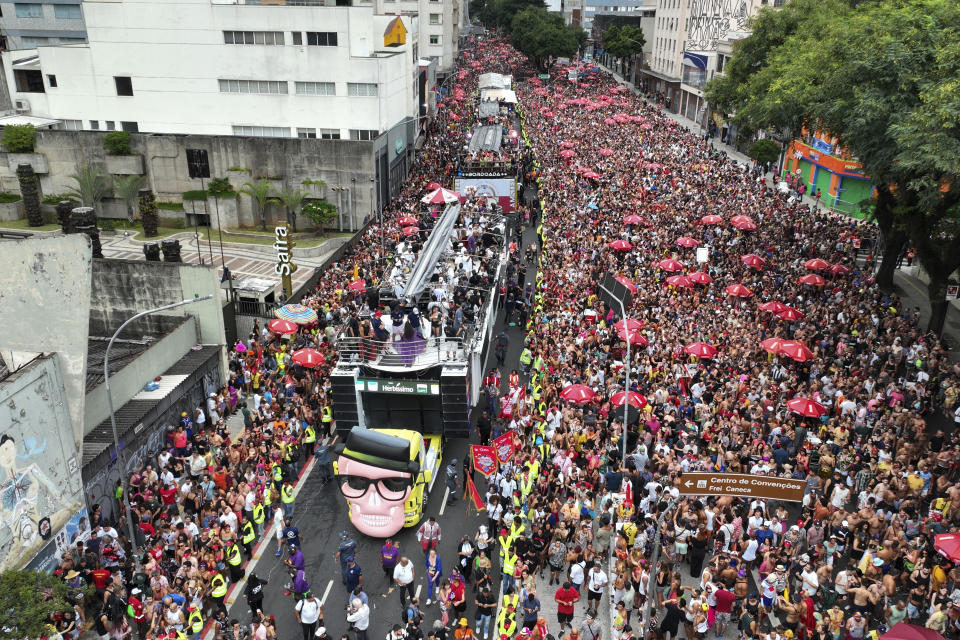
[(738, 290), (711, 219), (628, 325), (591, 175), (679, 281), (753, 260), (634, 337), (905, 631), (282, 327), (566, 144), (621, 245), (407, 221), (816, 264), (578, 393), (409, 231), (807, 407), (772, 345), (606, 152), (670, 265), (947, 545), (628, 283), (687, 242), (813, 279), (635, 399), (567, 153), (609, 121), (743, 223), (633, 219), (357, 285), (652, 165), (309, 358), (795, 350), (433, 185), (441, 196), (773, 306), (839, 269), (700, 349), (699, 277), (789, 314)]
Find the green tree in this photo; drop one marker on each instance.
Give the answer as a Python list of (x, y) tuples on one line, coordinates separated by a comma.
[(27, 598), (91, 187), (117, 143), (291, 199), (19, 138), (319, 211), (623, 41), (764, 151), (127, 188), (500, 13), (260, 192), (540, 34)]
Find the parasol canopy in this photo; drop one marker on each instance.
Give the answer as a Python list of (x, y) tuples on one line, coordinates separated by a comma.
[(772, 345), (711, 219), (621, 245), (807, 407), (628, 283), (633, 219), (635, 399), (789, 314), (700, 349), (409, 231), (670, 265), (774, 306), (816, 264), (753, 260), (738, 290), (744, 223), (813, 279), (578, 393), (441, 196), (795, 350), (407, 221), (679, 281), (687, 242), (282, 327), (296, 313), (309, 358), (700, 277), (357, 285)]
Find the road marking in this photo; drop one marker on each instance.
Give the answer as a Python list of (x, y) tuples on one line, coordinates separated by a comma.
[(416, 594), (326, 592), (446, 494)]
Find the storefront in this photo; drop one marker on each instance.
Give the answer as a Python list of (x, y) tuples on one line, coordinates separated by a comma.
[(841, 181)]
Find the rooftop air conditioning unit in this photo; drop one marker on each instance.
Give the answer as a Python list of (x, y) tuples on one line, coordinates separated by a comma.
[(22, 106)]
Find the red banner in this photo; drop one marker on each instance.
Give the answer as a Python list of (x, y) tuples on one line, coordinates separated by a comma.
[(504, 446), (474, 494), (484, 459)]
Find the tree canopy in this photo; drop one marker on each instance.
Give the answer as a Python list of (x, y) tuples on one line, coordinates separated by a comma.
[(881, 76), (623, 41), (27, 598), (540, 34), (500, 13)]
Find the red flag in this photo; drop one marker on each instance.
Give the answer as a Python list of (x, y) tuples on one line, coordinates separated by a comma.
[(474, 494), (484, 459), (504, 446)]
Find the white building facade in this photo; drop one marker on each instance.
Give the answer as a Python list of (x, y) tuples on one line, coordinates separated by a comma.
[(219, 67)]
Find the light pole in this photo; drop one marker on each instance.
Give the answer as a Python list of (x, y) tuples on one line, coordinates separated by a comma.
[(652, 577), (626, 381), (113, 419)]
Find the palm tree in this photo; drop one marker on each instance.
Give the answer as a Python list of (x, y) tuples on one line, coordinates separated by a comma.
[(91, 187), (127, 188), (291, 199), (260, 192)]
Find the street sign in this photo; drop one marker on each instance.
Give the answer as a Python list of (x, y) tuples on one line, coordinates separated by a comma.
[(742, 485)]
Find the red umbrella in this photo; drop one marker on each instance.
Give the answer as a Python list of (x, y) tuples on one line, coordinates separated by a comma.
[(700, 349), (807, 407), (407, 221), (738, 290), (789, 314), (795, 350), (773, 306), (433, 186), (753, 260), (711, 219), (628, 325), (947, 545), (700, 277), (687, 242), (816, 264), (282, 327), (628, 283), (904, 631), (635, 399), (309, 358), (813, 279), (409, 231), (357, 285), (744, 223), (606, 152), (591, 175), (679, 281), (839, 270), (441, 196), (566, 144), (772, 345), (578, 393), (567, 153), (633, 219), (670, 265), (621, 245), (634, 337)]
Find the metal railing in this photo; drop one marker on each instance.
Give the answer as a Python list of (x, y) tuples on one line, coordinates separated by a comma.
[(402, 353)]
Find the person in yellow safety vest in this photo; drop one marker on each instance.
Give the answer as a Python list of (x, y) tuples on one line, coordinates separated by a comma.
[(535, 394), (218, 591), (235, 561), (326, 417), (509, 564), (249, 535), (526, 358), (505, 541), (527, 485), (516, 528), (195, 622), (286, 497), (259, 517), (309, 441), (277, 474), (506, 622)]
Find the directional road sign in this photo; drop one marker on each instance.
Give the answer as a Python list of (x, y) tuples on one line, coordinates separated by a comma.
[(742, 485)]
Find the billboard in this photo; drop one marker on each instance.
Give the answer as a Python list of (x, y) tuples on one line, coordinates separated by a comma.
[(503, 189)]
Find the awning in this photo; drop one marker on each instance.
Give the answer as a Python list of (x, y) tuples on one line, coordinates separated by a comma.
[(27, 63), (22, 119), (499, 95)]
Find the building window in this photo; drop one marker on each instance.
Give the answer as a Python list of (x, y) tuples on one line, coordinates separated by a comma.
[(322, 38), (362, 89), (364, 134), (67, 11), (261, 132), (315, 88), (434, 39), (111, 125), (305, 132), (71, 125), (51, 80), (198, 163), (297, 37), (30, 42), (130, 127), (29, 9), (434, 18), (124, 85), (275, 87), (329, 134), (253, 37), (73, 40), (29, 81), (95, 125)]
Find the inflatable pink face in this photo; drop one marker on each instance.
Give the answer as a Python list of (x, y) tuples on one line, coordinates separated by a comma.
[(376, 496)]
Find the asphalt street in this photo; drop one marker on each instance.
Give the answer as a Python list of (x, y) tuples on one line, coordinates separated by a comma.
[(321, 514)]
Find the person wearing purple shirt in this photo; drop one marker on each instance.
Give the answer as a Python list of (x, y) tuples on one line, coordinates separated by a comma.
[(389, 554)]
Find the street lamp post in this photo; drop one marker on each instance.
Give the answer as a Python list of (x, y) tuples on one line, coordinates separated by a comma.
[(113, 420), (626, 371)]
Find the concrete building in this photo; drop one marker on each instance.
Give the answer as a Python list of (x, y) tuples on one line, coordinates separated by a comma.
[(28, 25), (628, 9), (277, 70), (439, 22), (628, 13)]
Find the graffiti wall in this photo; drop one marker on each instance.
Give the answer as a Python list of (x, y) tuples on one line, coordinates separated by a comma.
[(41, 490)]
